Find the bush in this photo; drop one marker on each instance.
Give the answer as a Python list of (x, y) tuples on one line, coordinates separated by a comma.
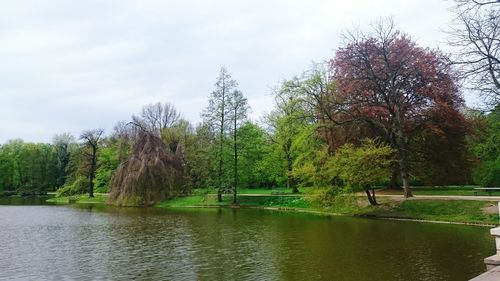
[(488, 174), (79, 186), (336, 200), (324, 197)]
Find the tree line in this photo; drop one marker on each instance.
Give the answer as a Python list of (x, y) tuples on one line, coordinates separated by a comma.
[(384, 111)]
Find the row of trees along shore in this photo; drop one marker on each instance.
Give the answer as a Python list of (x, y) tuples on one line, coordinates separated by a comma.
[(384, 111)]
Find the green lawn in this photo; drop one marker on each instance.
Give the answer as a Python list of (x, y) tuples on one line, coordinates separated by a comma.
[(262, 191), (245, 201), (82, 199), (440, 210), (467, 190), (463, 211)]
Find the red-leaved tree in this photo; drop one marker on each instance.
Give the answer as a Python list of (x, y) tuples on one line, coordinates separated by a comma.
[(387, 82)]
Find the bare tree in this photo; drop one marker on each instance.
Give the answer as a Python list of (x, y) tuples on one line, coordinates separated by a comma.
[(156, 117), (91, 140), (476, 37)]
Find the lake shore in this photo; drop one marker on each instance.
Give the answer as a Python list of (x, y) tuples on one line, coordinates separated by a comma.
[(467, 212)]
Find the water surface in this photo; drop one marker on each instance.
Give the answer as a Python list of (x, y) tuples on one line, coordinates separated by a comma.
[(104, 243)]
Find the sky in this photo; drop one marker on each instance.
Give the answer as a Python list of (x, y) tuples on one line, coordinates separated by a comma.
[(68, 66)]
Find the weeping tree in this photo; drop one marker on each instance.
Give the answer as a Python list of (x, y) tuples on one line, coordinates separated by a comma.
[(150, 174)]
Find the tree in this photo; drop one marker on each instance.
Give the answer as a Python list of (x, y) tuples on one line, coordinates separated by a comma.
[(156, 117), (91, 141), (486, 147), (64, 145), (387, 82), (285, 122), (362, 167), (475, 36), (257, 166), (238, 108), (150, 175), (216, 116), (28, 168)]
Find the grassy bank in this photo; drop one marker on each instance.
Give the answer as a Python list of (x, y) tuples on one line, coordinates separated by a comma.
[(476, 212), (462, 190), (80, 199), (457, 211)]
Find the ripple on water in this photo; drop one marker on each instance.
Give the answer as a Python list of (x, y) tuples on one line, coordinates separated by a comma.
[(69, 243)]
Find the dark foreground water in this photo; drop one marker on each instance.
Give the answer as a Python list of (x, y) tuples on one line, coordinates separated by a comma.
[(90, 243)]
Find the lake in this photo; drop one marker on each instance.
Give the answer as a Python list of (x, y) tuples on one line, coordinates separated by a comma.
[(44, 242)]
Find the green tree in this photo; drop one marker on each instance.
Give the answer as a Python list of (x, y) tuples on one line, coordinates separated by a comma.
[(216, 116), (289, 117), (254, 148), (362, 167), (486, 147), (238, 109)]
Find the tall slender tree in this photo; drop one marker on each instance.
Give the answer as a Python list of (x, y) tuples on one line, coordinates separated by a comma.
[(216, 115), (238, 109)]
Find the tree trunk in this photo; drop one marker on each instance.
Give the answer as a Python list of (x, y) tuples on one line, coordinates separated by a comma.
[(373, 197), (219, 194), (92, 172), (235, 180), (290, 182), (406, 184), (403, 162), (405, 177), (221, 147), (370, 198), (393, 183)]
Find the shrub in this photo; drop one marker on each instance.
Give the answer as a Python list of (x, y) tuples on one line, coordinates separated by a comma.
[(79, 186)]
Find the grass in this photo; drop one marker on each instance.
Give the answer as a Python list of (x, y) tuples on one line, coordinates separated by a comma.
[(459, 211), (464, 190), (210, 200), (464, 211), (80, 199), (243, 191)]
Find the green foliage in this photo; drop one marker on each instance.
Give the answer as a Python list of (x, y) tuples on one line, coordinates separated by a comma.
[(488, 173), (487, 148), (323, 197), (362, 167), (79, 186), (108, 162), (252, 143), (285, 202), (312, 165), (28, 167)]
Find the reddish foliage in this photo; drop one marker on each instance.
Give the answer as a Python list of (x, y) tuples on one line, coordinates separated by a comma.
[(401, 92)]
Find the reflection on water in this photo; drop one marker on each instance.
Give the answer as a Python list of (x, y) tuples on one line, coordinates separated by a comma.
[(101, 243)]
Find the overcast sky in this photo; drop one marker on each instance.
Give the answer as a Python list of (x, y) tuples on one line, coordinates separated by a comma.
[(66, 66)]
